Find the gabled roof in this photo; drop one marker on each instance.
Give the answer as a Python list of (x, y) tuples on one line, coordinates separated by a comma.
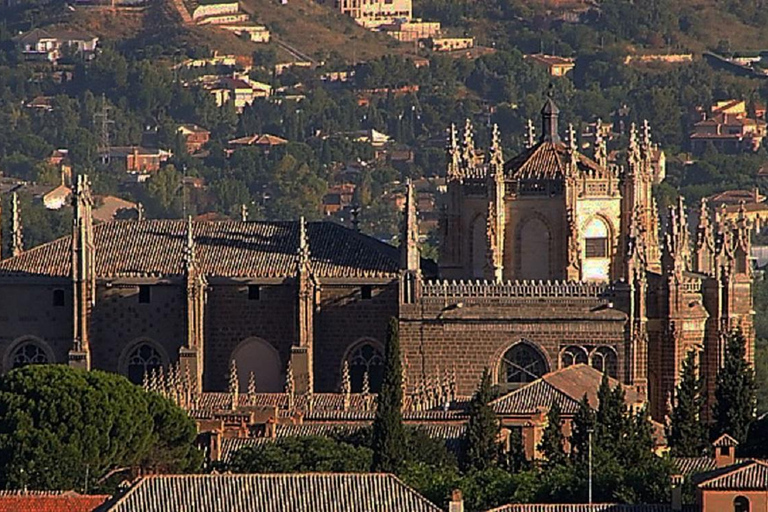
[(225, 249), (583, 507), (748, 475), (566, 386), (49, 501), (547, 160), (725, 440), (316, 492)]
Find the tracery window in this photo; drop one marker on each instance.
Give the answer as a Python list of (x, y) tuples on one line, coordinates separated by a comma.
[(143, 359), (366, 358), (596, 239), (573, 355), (521, 364), (605, 360), (28, 353)]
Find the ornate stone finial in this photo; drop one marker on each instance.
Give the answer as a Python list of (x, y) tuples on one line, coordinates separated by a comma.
[(302, 252), (189, 247), (290, 385), (189, 385), (676, 249), (251, 387), (366, 384), (140, 214), (601, 150), (153, 382), (571, 138), (633, 152), (346, 385), (495, 152), (453, 383), (234, 385), (454, 171), (646, 136), (409, 237), (17, 240), (530, 135), (161, 387), (145, 381), (243, 212)]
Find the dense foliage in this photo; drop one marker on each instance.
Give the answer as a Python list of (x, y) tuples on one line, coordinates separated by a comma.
[(60, 426), (735, 401), (687, 435)]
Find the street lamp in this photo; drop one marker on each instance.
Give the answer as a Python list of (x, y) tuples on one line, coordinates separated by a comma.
[(590, 431)]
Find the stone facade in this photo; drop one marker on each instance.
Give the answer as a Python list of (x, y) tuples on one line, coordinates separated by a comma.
[(549, 259)]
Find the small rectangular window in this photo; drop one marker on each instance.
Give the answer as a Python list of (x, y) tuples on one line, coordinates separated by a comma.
[(366, 292), (725, 451), (58, 298), (254, 292), (144, 294), (596, 247)]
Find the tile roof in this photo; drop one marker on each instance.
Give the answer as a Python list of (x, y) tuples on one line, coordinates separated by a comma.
[(567, 386), (547, 160), (686, 466), (725, 440), (49, 501), (230, 249), (316, 492), (582, 507), (747, 475)]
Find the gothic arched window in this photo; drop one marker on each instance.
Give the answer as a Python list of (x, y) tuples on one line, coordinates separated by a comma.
[(28, 353), (596, 239), (366, 357), (573, 355), (605, 360), (521, 364), (143, 359)]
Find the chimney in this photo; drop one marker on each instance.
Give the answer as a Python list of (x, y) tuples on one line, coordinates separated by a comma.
[(725, 451), (457, 501)]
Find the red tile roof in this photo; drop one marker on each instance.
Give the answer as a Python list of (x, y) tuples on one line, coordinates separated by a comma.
[(582, 507), (45, 501), (749, 475), (547, 160), (230, 249)]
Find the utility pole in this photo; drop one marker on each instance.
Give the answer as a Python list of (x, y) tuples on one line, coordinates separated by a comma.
[(102, 121)]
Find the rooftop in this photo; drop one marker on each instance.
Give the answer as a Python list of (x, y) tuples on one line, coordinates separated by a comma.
[(224, 249), (49, 501), (318, 492)]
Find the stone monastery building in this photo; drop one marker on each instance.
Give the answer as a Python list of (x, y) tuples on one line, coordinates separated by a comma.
[(550, 259)]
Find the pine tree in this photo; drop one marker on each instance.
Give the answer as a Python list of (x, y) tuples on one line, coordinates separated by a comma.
[(583, 423), (735, 390), (482, 444), (687, 434), (552, 440), (388, 430)]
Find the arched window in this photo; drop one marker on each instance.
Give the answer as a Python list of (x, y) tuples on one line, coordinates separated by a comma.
[(366, 357), (596, 239), (521, 364), (143, 359), (605, 360), (28, 353), (573, 355), (741, 504)]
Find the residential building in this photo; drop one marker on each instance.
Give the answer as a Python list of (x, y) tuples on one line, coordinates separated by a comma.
[(338, 198), (450, 44), (194, 137), (239, 90), (109, 208), (51, 44), (728, 129), (556, 66), (409, 31), (375, 13), (138, 159)]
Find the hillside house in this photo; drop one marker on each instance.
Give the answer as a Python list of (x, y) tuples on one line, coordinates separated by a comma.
[(51, 44), (728, 128), (194, 137), (137, 159), (556, 66)]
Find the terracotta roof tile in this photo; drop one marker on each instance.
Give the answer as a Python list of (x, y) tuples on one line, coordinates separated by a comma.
[(45, 501), (583, 507), (231, 249), (546, 160), (318, 492), (692, 465), (748, 475)]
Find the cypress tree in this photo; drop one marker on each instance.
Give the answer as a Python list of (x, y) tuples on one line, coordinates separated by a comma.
[(735, 400), (482, 445), (551, 445), (583, 422), (611, 420), (388, 436), (687, 434)]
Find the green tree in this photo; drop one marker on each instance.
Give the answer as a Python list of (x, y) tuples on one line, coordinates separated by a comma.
[(58, 424), (301, 454), (735, 400), (687, 435), (583, 424), (388, 437), (552, 440), (482, 436)]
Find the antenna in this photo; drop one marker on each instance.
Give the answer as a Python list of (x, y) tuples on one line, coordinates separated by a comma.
[(102, 121)]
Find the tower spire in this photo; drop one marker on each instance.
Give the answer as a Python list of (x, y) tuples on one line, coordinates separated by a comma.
[(550, 115), (409, 238), (17, 241), (530, 135), (83, 270), (601, 151)]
